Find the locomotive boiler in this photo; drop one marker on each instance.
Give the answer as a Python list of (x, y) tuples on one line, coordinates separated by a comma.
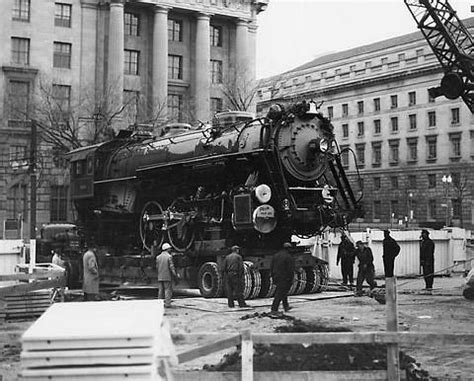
[(238, 180)]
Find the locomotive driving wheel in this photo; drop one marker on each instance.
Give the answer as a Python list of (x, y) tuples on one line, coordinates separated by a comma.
[(152, 219), (180, 225)]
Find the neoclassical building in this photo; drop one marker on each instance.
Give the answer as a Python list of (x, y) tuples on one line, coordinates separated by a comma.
[(149, 59), (414, 154)]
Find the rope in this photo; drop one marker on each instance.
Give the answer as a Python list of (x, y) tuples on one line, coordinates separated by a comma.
[(434, 273)]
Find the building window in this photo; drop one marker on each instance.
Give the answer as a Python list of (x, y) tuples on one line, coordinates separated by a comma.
[(345, 156), (360, 107), (430, 98), (62, 15), (376, 104), (394, 124), (394, 182), (368, 64), (394, 151), (216, 71), (17, 201), (175, 30), (419, 52), (432, 209), (360, 128), (411, 98), (431, 180), (377, 183), (377, 209), (412, 144), (132, 60), (412, 181), (58, 203), (17, 154), (131, 99), (432, 148), (455, 115), (62, 55), (345, 130), (21, 10), (376, 154), (20, 51), (377, 126), (216, 105), (401, 57), (175, 107), (216, 35), (330, 112), (345, 109), (455, 140), (432, 119), (393, 101), (412, 119), (18, 100), (131, 24), (456, 205), (394, 208), (62, 102), (175, 67), (360, 152)]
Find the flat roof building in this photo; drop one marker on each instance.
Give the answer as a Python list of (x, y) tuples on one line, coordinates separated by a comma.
[(415, 154)]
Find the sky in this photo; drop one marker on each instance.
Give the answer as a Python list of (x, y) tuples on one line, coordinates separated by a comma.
[(293, 32)]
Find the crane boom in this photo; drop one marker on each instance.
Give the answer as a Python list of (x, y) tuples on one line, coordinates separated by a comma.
[(452, 45)]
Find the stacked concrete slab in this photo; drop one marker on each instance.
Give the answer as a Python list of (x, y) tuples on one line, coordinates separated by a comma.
[(110, 340)]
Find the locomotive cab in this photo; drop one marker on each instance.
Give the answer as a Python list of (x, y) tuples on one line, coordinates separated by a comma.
[(82, 171)]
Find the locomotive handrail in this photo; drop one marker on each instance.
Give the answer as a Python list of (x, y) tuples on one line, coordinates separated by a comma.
[(200, 159)]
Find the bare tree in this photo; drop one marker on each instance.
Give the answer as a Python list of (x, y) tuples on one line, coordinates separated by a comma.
[(462, 185), (239, 90)]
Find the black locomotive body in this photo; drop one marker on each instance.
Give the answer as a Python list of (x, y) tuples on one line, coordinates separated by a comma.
[(239, 180)]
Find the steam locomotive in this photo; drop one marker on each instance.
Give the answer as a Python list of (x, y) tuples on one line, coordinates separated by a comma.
[(238, 180)]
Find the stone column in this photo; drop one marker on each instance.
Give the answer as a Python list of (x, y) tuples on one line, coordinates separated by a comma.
[(115, 63), (242, 46), (160, 63), (252, 51), (202, 68)]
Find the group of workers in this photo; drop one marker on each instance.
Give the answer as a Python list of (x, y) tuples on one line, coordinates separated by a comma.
[(348, 252), (282, 269)]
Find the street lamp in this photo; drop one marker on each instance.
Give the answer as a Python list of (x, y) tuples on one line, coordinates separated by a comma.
[(447, 180)]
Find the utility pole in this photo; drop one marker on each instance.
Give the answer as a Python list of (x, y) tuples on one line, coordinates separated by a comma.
[(32, 170)]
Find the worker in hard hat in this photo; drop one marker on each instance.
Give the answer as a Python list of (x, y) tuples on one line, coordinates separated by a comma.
[(166, 274)]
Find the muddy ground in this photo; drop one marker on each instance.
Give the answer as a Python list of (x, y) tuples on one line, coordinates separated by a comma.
[(446, 311)]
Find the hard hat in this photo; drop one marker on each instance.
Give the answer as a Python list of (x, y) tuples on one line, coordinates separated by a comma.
[(166, 246)]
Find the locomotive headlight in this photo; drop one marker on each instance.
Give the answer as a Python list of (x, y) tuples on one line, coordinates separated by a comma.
[(263, 193)]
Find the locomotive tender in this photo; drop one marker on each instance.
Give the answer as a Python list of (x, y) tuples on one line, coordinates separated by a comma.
[(239, 180)]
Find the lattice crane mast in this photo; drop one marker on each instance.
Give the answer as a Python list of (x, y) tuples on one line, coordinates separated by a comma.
[(451, 43)]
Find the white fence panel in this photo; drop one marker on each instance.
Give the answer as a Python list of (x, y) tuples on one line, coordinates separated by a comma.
[(11, 254)]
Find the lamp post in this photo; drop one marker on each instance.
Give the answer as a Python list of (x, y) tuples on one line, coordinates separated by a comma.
[(447, 180)]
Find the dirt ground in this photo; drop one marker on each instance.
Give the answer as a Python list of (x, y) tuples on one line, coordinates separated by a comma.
[(445, 311)]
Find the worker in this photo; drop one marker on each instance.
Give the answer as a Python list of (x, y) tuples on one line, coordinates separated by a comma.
[(366, 267), (233, 268), (90, 283), (282, 269), (166, 274), (346, 255), (390, 251), (427, 248), (58, 260)]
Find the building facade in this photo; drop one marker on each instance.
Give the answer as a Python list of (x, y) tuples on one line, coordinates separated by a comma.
[(414, 154), (142, 61)]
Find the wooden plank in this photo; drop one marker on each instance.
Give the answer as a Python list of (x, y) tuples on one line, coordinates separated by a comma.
[(201, 375), (37, 285), (37, 276), (365, 337), (208, 348), (393, 366), (247, 356)]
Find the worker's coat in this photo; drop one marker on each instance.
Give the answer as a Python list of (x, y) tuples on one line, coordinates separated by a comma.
[(90, 283)]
